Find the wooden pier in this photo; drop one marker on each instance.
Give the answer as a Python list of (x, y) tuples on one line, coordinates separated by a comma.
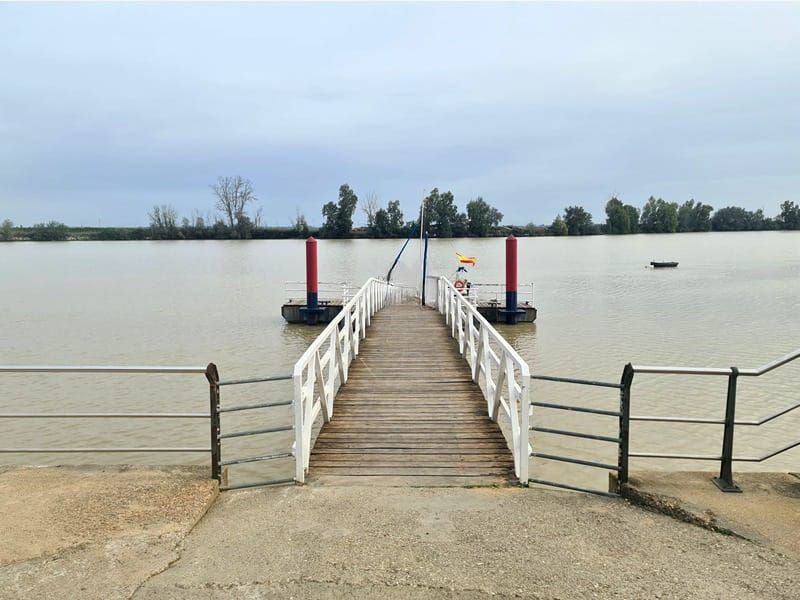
[(410, 413)]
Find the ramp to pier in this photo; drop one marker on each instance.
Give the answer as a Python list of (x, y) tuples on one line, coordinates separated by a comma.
[(410, 413)]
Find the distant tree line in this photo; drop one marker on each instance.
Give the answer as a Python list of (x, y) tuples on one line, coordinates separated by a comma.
[(234, 199), (660, 216)]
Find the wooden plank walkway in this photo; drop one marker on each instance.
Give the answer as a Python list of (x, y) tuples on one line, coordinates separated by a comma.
[(410, 413)]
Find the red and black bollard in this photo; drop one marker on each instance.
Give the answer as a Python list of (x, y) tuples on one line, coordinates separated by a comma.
[(511, 311), (312, 309)]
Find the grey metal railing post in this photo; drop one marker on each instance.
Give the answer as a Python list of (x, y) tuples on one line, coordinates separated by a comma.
[(624, 423), (725, 479), (216, 454)]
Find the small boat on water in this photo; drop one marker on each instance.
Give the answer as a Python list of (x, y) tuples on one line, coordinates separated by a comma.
[(662, 265)]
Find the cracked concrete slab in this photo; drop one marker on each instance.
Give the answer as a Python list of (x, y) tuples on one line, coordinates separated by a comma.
[(351, 542), (767, 510), (94, 532)]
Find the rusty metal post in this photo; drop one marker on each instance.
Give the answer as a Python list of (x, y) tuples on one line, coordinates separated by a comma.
[(624, 424), (725, 480), (216, 451)]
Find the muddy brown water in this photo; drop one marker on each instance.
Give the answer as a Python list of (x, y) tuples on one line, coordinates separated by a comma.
[(734, 300)]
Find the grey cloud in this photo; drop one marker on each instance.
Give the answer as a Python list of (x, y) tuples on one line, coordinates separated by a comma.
[(106, 109)]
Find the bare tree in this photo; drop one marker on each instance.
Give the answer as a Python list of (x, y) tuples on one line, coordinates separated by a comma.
[(370, 208), (163, 217), (233, 195)]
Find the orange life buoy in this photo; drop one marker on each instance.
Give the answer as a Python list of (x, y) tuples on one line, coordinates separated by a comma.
[(459, 284)]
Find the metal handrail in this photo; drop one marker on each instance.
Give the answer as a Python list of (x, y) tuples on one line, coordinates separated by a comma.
[(725, 480), (217, 440), (621, 441), (497, 290), (104, 415), (680, 370), (96, 369), (474, 335), (756, 372), (778, 362), (97, 450), (255, 380), (326, 289), (576, 381), (210, 371)]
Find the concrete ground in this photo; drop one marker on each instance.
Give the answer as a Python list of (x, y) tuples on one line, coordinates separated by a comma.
[(367, 542), (359, 542), (767, 510), (94, 532)]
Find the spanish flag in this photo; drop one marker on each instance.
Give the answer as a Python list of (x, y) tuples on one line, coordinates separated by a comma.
[(466, 260)]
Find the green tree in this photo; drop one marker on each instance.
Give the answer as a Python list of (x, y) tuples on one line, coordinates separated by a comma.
[(244, 226), (617, 218), (790, 215), (461, 225), (108, 233), (578, 221), (395, 217), (758, 222), (633, 218), (694, 216), (381, 224), (339, 217), (52, 231), (344, 213), (736, 218), (7, 230), (659, 216), (559, 227), (441, 214), (329, 211), (482, 217)]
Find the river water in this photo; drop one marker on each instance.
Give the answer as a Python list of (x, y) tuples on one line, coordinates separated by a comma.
[(734, 300)]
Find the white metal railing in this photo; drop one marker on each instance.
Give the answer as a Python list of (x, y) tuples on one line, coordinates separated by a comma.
[(496, 293), (323, 368), (327, 291), (506, 377)]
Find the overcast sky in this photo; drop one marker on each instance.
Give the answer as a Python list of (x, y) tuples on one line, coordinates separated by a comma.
[(106, 110)]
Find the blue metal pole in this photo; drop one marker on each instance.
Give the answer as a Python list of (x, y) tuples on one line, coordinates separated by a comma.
[(424, 269)]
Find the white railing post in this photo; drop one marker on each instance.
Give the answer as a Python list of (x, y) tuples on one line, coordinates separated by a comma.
[(473, 351), (356, 327), (312, 398), (446, 295), (461, 324), (369, 301), (494, 408), (524, 423), (478, 361), (363, 304), (513, 412), (452, 313), (299, 449)]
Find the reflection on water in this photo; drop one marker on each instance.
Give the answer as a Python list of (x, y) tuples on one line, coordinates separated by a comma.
[(734, 300)]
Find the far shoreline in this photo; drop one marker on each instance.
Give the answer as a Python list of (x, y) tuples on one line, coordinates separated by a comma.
[(141, 234)]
